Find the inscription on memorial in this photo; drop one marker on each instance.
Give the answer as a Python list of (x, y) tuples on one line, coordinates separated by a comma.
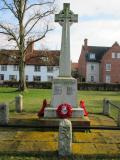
[(57, 90), (69, 90)]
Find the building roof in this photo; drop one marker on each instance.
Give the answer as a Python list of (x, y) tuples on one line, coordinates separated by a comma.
[(38, 57), (74, 65), (98, 51)]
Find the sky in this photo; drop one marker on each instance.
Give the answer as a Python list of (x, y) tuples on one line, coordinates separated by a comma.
[(98, 21)]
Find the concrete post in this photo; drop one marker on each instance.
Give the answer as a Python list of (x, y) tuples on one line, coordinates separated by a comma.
[(4, 114), (65, 138), (118, 120), (19, 103), (106, 107)]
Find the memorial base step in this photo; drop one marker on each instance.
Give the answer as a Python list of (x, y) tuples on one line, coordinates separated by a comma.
[(51, 113), (54, 122)]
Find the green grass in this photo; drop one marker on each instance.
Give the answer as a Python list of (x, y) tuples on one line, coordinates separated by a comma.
[(33, 98)]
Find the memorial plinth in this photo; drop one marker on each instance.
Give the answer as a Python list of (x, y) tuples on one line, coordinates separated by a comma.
[(65, 86)]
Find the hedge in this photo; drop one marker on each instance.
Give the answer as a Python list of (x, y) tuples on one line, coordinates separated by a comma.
[(80, 85), (99, 86)]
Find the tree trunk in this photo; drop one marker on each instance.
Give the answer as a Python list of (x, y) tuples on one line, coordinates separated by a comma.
[(22, 84), (22, 80)]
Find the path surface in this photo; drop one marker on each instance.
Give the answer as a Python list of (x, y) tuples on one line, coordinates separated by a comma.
[(104, 143)]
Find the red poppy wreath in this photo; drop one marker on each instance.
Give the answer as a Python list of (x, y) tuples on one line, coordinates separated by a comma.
[(64, 110)]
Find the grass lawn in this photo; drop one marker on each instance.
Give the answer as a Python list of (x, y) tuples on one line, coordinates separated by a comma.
[(33, 98)]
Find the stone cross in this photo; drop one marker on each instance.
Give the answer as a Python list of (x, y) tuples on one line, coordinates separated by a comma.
[(65, 18)]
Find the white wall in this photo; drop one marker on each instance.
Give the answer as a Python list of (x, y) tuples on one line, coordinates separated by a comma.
[(10, 71), (94, 72), (29, 70)]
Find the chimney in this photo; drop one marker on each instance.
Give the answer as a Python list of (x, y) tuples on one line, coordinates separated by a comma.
[(85, 42), (30, 46)]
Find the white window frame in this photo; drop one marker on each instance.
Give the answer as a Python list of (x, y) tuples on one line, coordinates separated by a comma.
[(92, 78), (15, 67), (26, 77), (108, 67), (113, 55), (37, 78), (1, 77), (92, 55), (50, 69), (3, 67), (37, 68), (107, 79), (13, 77), (118, 55), (92, 67)]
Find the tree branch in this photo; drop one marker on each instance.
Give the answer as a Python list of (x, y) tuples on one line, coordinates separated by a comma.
[(10, 7), (41, 16), (9, 32), (40, 4), (41, 37)]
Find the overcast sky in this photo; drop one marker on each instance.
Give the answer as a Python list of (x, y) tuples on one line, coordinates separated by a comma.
[(99, 22)]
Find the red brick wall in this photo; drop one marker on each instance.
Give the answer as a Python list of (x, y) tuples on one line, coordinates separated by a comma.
[(82, 63), (115, 65)]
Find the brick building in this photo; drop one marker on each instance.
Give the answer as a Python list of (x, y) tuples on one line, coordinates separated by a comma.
[(100, 64)]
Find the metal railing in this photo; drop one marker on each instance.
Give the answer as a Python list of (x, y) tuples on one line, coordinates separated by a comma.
[(111, 110)]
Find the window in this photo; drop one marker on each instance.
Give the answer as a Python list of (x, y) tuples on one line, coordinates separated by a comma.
[(1, 77), (118, 55), (26, 77), (3, 67), (108, 79), (92, 78), (92, 67), (50, 78), (15, 67), (113, 55), (12, 77), (50, 69), (92, 55), (37, 78), (37, 68), (108, 67)]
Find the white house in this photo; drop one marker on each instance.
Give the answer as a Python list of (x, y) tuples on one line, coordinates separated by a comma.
[(40, 65)]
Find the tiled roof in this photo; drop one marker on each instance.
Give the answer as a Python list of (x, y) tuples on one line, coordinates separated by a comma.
[(43, 58), (98, 51), (74, 65)]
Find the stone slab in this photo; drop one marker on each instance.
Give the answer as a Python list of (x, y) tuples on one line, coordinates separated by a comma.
[(51, 113), (54, 122)]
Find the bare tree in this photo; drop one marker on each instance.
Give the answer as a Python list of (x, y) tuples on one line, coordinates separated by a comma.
[(27, 14)]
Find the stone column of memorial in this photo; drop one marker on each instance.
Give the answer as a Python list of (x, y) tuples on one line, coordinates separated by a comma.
[(64, 87)]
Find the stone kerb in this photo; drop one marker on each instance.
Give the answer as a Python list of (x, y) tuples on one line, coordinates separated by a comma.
[(4, 114), (65, 138)]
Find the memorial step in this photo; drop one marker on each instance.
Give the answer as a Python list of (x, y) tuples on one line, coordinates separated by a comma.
[(51, 113)]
